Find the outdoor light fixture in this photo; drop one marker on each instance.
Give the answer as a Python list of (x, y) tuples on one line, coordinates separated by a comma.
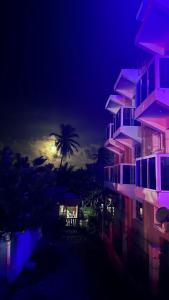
[(102, 207)]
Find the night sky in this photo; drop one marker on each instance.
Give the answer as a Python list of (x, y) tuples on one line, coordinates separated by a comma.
[(59, 61)]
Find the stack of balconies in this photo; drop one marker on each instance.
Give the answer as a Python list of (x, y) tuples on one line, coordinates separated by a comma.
[(152, 104), (142, 98), (123, 134)]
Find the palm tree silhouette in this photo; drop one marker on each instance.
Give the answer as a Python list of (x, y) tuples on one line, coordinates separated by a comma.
[(65, 142)]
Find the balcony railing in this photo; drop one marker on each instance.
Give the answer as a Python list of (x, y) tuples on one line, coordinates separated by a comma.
[(114, 103), (120, 174), (109, 131), (155, 76), (124, 117), (152, 172), (72, 222), (152, 96), (137, 150)]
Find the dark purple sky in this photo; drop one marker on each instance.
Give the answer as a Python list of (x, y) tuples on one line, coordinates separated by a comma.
[(58, 64)]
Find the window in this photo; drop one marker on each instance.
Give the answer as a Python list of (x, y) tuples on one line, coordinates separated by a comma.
[(115, 174), (165, 173), (151, 77), (118, 119), (133, 172), (137, 123), (111, 175), (164, 72), (144, 173), (112, 130), (118, 174), (107, 133), (144, 87), (138, 94), (127, 116), (139, 210), (137, 150), (138, 183), (114, 125), (128, 174), (152, 173)]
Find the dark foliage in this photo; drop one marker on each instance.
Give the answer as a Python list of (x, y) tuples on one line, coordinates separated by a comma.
[(29, 193)]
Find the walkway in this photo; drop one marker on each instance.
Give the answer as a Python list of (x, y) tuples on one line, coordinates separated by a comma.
[(75, 267)]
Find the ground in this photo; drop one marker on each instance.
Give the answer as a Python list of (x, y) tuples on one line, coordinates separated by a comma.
[(74, 266)]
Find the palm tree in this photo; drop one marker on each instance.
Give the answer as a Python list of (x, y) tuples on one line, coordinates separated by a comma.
[(65, 142), (103, 157)]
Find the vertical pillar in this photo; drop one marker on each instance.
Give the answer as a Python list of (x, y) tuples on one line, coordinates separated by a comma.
[(154, 266)]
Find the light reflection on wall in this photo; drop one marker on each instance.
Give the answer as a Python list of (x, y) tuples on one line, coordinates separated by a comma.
[(8, 253), (15, 253)]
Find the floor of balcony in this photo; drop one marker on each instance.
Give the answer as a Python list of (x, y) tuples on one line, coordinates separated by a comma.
[(154, 111), (156, 198), (127, 190), (114, 146), (128, 135)]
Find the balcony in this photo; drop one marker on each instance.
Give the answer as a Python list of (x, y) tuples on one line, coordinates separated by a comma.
[(152, 97), (153, 34), (152, 179), (125, 129), (114, 103), (121, 178), (126, 83), (111, 144)]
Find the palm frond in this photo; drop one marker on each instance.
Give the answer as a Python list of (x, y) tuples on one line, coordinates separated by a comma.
[(73, 146), (74, 142), (65, 140)]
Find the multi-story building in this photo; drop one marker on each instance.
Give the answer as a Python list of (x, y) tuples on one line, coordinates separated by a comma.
[(139, 138)]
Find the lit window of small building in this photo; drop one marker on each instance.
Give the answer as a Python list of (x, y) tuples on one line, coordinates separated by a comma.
[(69, 206)]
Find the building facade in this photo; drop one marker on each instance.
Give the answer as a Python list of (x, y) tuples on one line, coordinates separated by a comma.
[(139, 138)]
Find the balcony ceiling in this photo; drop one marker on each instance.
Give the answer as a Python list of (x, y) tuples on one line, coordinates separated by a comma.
[(154, 31), (115, 102), (156, 115), (114, 150), (126, 83), (115, 146), (128, 135), (126, 140)]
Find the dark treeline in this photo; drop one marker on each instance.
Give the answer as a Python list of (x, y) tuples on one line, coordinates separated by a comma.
[(29, 191)]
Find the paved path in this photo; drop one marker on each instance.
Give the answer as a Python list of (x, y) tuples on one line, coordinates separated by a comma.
[(75, 267)]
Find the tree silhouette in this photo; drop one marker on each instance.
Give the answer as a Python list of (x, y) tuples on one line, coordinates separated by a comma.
[(103, 157), (65, 141)]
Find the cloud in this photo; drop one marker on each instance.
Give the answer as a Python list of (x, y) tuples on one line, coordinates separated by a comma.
[(46, 147), (84, 156)]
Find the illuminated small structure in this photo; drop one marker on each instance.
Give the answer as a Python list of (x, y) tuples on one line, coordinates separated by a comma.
[(69, 206)]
